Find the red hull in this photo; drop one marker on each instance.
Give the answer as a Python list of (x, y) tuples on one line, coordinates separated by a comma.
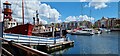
[(25, 29)]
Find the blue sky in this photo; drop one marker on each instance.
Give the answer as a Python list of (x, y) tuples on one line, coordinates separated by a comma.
[(56, 12), (74, 9)]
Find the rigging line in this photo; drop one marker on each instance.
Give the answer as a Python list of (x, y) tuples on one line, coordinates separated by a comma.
[(90, 14), (118, 11), (81, 9), (25, 7), (26, 10), (15, 7), (81, 5)]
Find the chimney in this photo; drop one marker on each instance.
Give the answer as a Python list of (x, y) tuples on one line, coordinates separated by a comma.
[(33, 20), (37, 21), (37, 14)]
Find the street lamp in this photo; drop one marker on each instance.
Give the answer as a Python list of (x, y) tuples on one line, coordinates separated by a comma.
[(52, 29), (61, 30), (53, 35)]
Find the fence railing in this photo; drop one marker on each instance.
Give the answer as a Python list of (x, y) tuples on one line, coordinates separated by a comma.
[(32, 39)]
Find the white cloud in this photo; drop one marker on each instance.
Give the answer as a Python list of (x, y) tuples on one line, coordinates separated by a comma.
[(71, 18), (43, 21), (85, 17), (45, 11), (98, 4), (83, 0), (49, 14), (79, 18), (100, 0)]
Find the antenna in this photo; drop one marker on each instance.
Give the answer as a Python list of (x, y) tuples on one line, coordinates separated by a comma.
[(48, 15), (37, 13)]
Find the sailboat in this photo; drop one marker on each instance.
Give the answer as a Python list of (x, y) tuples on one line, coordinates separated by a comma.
[(24, 29)]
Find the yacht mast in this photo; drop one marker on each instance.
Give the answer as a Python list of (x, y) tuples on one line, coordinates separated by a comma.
[(81, 9)]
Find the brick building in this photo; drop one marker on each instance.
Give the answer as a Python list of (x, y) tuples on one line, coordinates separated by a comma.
[(75, 24), (106, 22)]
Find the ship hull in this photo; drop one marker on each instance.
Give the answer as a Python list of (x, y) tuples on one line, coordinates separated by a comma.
[(25, 29)]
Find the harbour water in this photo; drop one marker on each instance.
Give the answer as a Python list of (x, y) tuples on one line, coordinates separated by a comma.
[(105, 43)]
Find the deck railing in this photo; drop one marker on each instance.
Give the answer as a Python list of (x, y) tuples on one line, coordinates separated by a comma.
[(24, 39)]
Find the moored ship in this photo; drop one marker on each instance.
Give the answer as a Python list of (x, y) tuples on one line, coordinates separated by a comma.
[(25, 29), (12, 26)]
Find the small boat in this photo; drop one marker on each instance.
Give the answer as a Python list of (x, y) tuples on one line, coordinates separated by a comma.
[(83, 32), (68, 31), (105, 30), (97, 31), (73, 30)]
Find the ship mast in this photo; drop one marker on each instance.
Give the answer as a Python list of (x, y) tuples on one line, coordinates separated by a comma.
[(23, 11)]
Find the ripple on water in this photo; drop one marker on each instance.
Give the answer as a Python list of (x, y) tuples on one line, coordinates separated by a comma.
[(105, 43)]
